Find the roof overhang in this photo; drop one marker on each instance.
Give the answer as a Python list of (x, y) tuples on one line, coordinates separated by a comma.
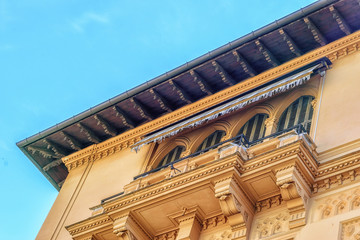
[(254, 96), (274, 45)]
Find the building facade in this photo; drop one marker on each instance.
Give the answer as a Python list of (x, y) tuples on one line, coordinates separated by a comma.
[(259, 139)]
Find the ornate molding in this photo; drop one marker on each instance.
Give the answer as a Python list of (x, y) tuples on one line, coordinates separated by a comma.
[(333, 51), (98, 221), (155, 189), (336, 180)]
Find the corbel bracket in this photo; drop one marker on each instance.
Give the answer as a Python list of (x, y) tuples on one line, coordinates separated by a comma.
[(126, 228), (235, 206), (190, 223), (295, 191)]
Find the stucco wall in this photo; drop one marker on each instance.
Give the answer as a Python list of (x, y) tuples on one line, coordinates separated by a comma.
[(339, 120), (86, 186)]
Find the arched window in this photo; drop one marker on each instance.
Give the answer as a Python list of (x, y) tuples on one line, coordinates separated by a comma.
[(172, 156), (299, 112), (255, 128), (211, 140)]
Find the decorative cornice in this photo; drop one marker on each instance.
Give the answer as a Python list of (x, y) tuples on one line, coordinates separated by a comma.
[(156, 189), (333, 51), (214, 222), (344, 162), (81, 227), (336, 180), (269, 203)]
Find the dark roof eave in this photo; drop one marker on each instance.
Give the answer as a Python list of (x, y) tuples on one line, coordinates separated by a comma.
[(185, 67), (48, 177)]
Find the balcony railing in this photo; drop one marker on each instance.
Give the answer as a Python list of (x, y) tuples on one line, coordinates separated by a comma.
[(240, 140)]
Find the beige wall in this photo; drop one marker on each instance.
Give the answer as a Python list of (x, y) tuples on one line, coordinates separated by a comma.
[(86, 186), (339, 120)]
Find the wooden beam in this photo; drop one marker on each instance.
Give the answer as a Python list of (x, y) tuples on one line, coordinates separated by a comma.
[(144, 112), (74, 143), (225, 76), (318, 36), (52, 164), (46, 153), (58, 150), (340, 20), (181, 92), (61, 183), (108, 128), (91, 136), (244, 64), (290, 42), (204, 86), (124, 117), (164, 104), (270, 58)]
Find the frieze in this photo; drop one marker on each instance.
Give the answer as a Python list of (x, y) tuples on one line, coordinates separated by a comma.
[(272, 225), (167, 236), (333, 51), (337, 204), (225, 235), (73, 230), (350, 230), (269, 203), (341, 163), (336, 180), (214, 222)]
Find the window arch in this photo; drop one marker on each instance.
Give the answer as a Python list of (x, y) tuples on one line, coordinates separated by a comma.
[(172, 156), (211, 140), (254, 129), (299, 112)]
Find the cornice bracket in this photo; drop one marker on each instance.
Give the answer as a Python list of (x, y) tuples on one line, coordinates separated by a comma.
[(126, 228), (295, 192), (235, 206)]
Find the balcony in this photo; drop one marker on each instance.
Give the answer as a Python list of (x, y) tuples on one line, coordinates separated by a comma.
[(229, 181)]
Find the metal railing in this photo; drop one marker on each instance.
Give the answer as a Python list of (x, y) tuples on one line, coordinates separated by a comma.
[(240, 140)]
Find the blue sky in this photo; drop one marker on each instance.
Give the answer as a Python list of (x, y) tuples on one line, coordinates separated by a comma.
[(59, 58)]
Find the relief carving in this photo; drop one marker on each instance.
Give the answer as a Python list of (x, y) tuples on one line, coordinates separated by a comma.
[(213, 222), (350, 230), (226, 235), (338, 204), (272, 225), (167, 236)]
